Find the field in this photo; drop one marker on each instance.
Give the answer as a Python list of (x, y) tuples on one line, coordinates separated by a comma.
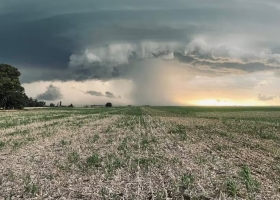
[(150, 153)]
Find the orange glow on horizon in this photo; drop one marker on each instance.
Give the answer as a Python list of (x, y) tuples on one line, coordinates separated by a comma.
[(215, 102), (220, 102)]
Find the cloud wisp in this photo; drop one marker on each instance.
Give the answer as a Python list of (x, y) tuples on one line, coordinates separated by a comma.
[(263, 97), (100, 94), (94, 93)]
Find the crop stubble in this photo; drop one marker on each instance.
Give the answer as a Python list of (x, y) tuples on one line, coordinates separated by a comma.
[(139, 153)]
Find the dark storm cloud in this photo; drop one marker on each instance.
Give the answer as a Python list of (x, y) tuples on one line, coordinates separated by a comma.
[(29, 75), (48, 43), (46, 38), (52, 93), (40, 37)]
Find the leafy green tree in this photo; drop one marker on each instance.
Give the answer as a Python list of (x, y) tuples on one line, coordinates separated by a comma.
[(12, 94)]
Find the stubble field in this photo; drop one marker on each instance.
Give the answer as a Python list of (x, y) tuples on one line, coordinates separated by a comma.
[(140, 153)]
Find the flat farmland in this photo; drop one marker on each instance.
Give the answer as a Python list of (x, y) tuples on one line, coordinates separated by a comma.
[(193, 153)]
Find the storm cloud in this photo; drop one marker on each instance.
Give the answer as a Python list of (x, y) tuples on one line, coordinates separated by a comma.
[(52, 93), (119, 60), (143, 42), (54, 33)]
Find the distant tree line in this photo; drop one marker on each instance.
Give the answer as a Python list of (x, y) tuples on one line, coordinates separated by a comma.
[(92, 106), (30, 102), (60, 105)]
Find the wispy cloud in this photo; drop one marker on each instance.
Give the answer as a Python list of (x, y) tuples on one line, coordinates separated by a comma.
[(94, 93), (263, 97), (100, 94)]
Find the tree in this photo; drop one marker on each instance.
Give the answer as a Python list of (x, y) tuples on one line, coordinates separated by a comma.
[(12, 94), (71, 105), (108, 104), (52, 105)]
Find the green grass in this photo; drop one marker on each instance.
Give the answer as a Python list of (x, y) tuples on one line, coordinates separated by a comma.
[(193, 109), (251, 184), (31, 189), (187, 180), (2, 144), (231, 187), (64, 142), (73, 157), (93, 161)]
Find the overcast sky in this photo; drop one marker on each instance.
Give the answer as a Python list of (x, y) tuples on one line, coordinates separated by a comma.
[(160, 52)]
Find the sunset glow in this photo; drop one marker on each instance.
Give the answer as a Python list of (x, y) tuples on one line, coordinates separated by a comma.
[(215, 102), (226, 102)]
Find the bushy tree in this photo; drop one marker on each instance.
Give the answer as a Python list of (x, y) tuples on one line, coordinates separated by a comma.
[(108, 104), (12, 94), (52, 105)]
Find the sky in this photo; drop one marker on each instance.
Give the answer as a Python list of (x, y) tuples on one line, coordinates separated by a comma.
[(160, 52)]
